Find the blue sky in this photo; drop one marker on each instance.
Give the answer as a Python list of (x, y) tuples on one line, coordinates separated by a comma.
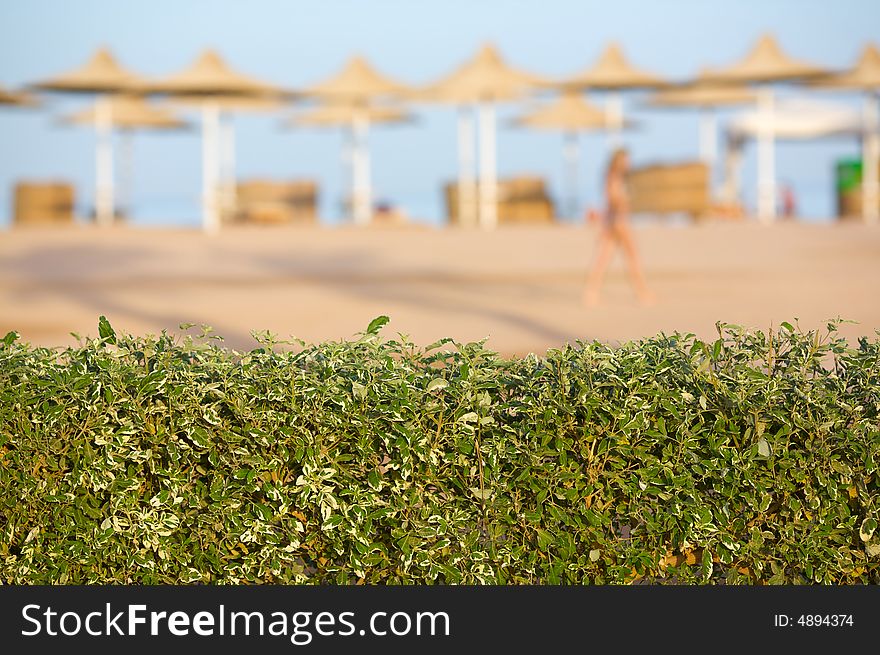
[(294, 43)]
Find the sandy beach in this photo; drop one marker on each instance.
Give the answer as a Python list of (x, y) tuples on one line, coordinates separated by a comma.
[(520, 287)]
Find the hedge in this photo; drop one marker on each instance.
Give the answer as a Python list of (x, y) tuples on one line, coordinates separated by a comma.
[(750, 459)]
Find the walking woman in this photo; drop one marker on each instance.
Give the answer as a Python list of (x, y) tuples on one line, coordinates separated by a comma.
[(616, 232)]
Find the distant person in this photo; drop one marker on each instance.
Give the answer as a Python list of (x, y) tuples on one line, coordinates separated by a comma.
[(615, 231), (789, 202)]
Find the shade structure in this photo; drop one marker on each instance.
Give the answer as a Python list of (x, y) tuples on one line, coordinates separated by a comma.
[(130, 113), (798, 119), (102, 75), (358, 85), (358, 81), (570, 114), (706, 96), (209, 75), (765, 64), (483, 81), (613, 72), (486, 77), (16, 98), (344, 114), (703, 93), (865, 76), (213, 84)]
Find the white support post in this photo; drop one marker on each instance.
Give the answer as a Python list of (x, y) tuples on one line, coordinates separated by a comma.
[(614, 116), (126, 166), (467, 191), (871, 160), (227, 164), (709, 143), (732, 172), (766, 156), (346, 158), (104, 209), (708, 136), (488, 172), (210, 134), (361, 195), (571, 157)]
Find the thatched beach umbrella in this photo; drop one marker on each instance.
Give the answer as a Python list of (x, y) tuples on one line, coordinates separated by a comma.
[(613, 72), (482, 81), (101, 75), (356, 86), (130, 113), (765, 64), (209, 80), (344, 115), (865, 76), (571, 114)]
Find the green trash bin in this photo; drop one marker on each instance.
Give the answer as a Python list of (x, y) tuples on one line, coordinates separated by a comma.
[(848, 182)]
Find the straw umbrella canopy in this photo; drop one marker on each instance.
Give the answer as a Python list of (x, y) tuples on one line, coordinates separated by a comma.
[(571, 114), (484, 80), (765, 64), (865, 76), (101, 75), (212, 82), (613, 72), (16, 98), (344, 115), (130, 113), (357, 85)]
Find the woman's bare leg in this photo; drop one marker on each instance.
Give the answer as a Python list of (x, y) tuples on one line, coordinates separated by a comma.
[(604, 251), (634, 264)]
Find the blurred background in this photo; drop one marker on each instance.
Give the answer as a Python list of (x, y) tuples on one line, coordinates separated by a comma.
[(294, 44)]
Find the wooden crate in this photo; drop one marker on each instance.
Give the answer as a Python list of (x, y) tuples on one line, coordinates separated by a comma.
[(273, 202), (670, 188), (521, 200), (43, 203)]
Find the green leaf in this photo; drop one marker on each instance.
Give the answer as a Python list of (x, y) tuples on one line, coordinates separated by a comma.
[(544, 539), (763, 448), (10, 338), (867, 528), (437, 383), (377, 324), (332, 522), (482, 494), (200, 437), (105, 330)]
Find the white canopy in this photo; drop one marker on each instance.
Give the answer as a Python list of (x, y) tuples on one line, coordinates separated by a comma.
[(797, 119)]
